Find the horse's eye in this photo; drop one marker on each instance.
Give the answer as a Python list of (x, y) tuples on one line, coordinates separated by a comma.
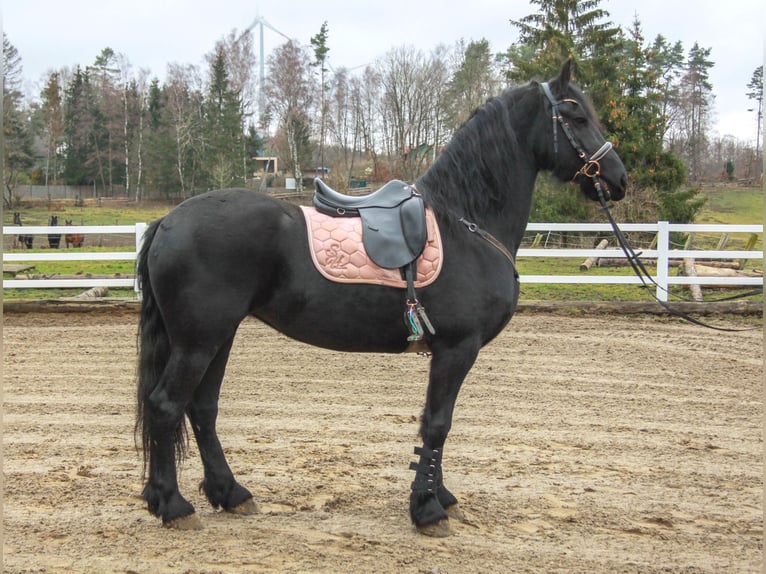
[(580, 120)]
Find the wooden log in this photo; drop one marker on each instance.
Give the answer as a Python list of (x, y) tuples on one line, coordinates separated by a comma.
[(16, 268), (711, 271), (591, 261), (689, 270), (94, 292), (749, 246), (622, 262)]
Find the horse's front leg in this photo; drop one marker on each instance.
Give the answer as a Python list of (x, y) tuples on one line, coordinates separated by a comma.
[(431, 503)]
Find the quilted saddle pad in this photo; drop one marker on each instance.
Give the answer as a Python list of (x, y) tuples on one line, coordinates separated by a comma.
[(336, 248)]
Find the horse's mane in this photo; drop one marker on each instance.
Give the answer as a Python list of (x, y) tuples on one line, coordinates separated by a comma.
[(464, 180)]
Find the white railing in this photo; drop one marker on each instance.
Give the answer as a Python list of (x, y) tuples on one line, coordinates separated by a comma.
[(80, 254), (663, 254)]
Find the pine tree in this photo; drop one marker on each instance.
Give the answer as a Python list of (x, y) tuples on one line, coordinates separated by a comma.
[(223, 128), (563, 29), (78, 121), (755, 92), (17, 148), (319, 43), (52, 112), (696, 100), (471, 84)]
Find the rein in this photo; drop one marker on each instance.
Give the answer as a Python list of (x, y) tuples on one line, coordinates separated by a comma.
[(592, 169), (642, 273)]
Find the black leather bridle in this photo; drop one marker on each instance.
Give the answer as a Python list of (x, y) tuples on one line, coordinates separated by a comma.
[(592, 169), (591, 165)]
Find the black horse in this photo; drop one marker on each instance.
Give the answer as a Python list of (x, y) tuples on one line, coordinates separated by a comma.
[(54, 239), (227, 254), (26, 241)]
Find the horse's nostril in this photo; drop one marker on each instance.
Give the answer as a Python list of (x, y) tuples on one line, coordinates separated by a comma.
[(624, 181)]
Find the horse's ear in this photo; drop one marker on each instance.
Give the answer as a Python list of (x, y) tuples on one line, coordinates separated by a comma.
[(565, 76)]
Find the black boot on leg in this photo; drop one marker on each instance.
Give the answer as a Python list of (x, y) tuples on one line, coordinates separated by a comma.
[(426, 510)]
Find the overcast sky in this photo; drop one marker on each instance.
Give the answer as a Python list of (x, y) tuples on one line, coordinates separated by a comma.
[(50, 34)]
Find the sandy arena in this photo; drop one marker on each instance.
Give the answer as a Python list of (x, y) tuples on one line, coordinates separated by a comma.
[(580, 444)]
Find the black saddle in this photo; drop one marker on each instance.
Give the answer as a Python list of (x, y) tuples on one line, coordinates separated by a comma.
[(393, 220)]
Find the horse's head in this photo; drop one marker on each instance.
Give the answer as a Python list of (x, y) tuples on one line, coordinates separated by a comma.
[(16, 218), (580, 152), (54, 220)]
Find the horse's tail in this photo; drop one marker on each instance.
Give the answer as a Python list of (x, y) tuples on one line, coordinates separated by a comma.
[(153, 353)]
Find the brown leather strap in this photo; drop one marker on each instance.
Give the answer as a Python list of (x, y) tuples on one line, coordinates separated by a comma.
[(489, 238)]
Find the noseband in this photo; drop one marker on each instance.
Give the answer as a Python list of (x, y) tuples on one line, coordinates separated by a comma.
[(591, 167)]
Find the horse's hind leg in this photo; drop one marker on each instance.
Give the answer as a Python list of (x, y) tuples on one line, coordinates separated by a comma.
[(164, 410), (219, 485)]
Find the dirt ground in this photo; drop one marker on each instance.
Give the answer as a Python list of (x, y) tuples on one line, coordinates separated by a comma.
[(580, 444)]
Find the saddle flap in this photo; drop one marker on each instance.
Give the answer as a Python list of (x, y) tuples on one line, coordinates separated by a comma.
[(396, 236)]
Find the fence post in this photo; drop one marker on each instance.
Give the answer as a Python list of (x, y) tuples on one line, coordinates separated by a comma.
[(140, 230), (663, 259)]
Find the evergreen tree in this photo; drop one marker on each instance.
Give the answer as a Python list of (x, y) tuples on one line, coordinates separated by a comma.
[(697, 99), (17, 149), (319, 43), (223, 128), (161, 151), (471, 84), (78, 132), (666, 64), (105, 105), (52, 111), (563, 29), (755, 92)]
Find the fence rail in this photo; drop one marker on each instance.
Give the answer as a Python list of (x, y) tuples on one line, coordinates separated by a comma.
[(663, 254), (82, 254)]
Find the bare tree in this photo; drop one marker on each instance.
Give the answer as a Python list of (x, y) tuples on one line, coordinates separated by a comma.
[(411, 107), (365, 96), (289, 89), (185, 106)]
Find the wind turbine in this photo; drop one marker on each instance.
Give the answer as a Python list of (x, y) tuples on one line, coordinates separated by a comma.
[(261, 22)]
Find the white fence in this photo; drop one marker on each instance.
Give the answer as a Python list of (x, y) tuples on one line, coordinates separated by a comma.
[(80, 254), (663, 254)]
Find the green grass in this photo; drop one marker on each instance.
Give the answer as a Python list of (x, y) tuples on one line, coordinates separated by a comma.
[(88, 215), (732, 205)]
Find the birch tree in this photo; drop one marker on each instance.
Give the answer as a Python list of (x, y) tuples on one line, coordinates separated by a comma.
[(289, 88)]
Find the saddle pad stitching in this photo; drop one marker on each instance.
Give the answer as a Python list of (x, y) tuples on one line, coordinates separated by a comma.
[(383, 277)]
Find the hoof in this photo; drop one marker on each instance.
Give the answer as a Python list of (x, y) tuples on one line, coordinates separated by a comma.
[(188, 522), (440, 529), (245, 508), (456, 513)]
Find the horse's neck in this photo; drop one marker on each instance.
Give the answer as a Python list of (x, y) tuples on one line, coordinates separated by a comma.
[(507, 220), (510, 223)]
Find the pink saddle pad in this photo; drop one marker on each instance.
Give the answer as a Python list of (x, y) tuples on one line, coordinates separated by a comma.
[(336, 248)]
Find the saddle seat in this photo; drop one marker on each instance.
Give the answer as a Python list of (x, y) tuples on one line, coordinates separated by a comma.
[(394, 229), (332, 202)]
